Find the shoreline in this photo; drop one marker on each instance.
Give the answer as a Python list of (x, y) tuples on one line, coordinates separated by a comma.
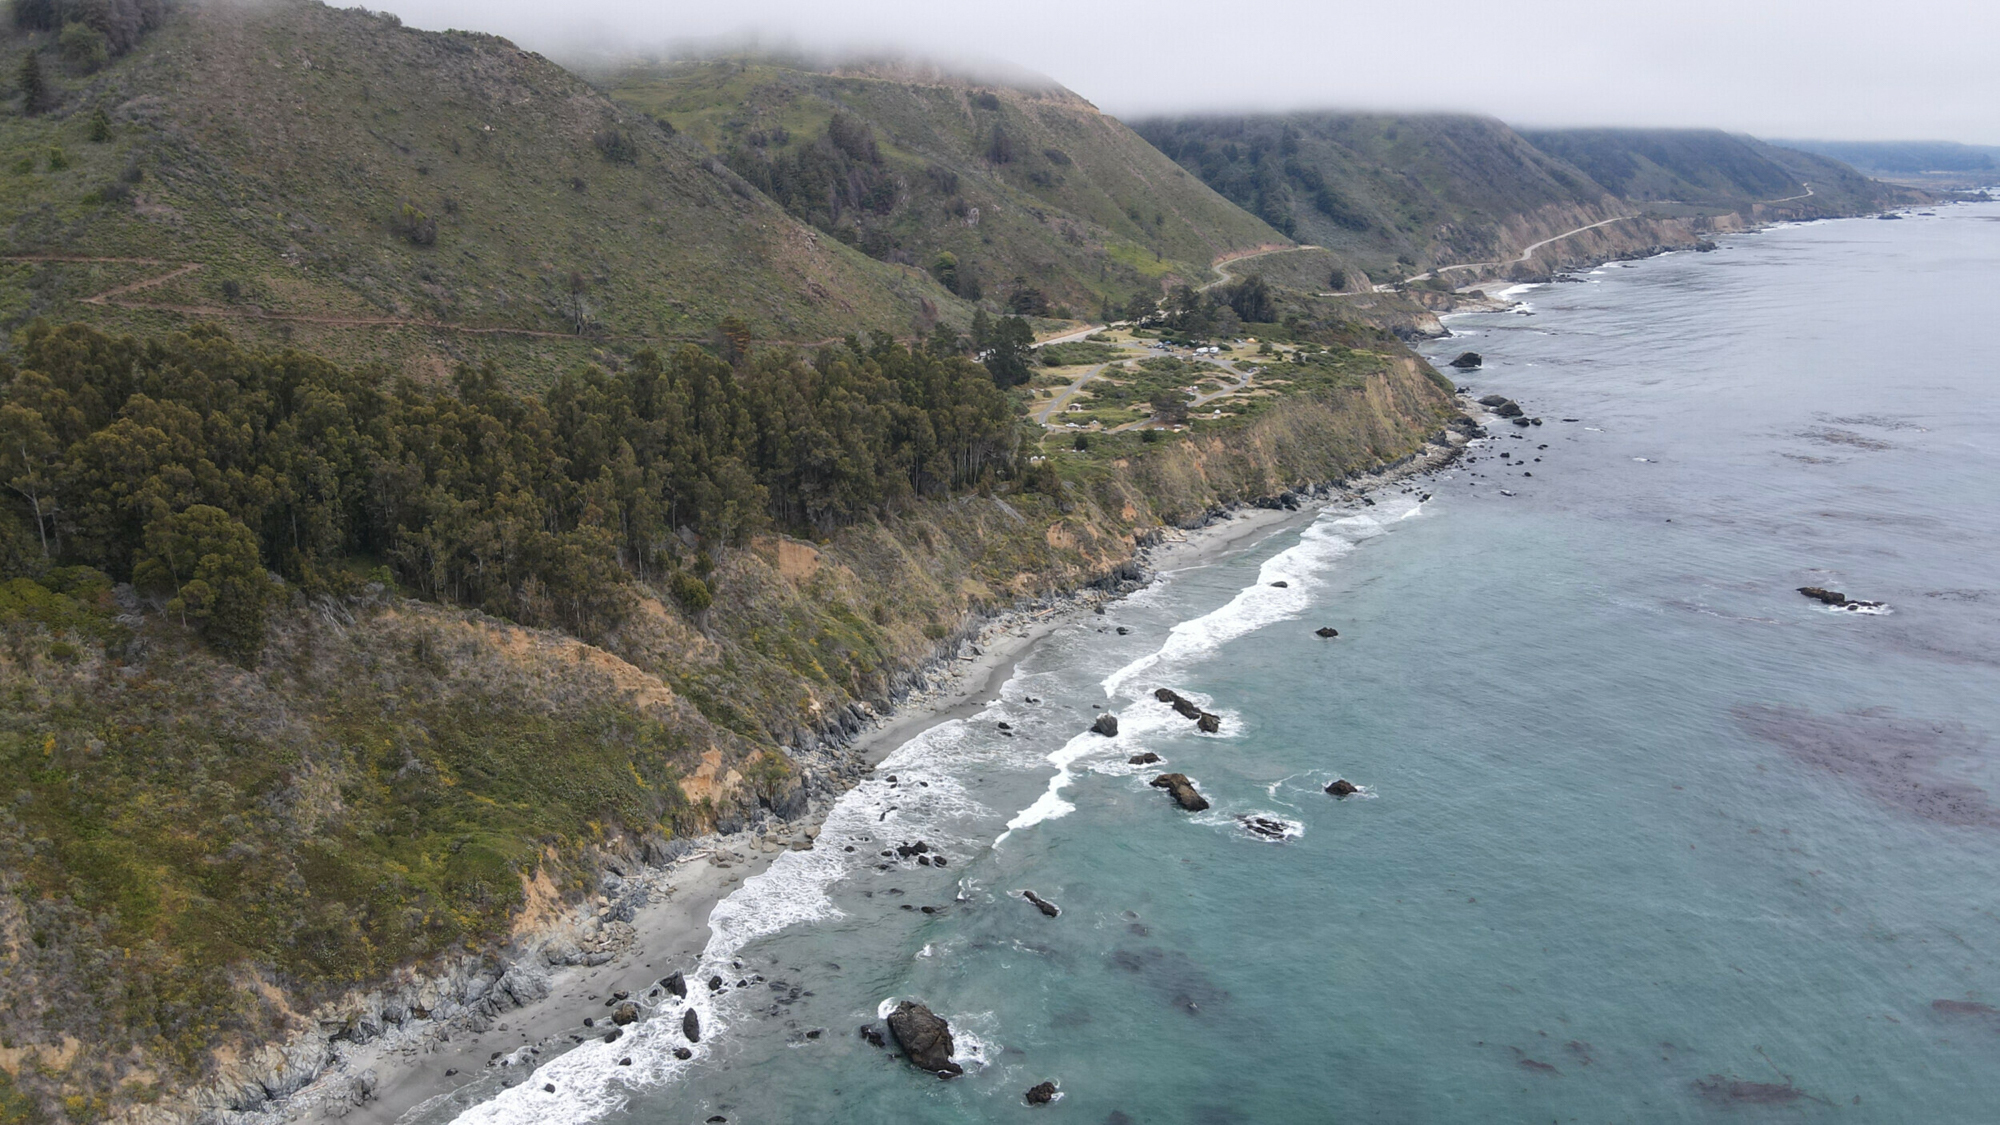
[(656, 920)]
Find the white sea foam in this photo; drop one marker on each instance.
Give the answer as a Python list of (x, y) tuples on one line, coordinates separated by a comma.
[(926, 802), (1299, 566)]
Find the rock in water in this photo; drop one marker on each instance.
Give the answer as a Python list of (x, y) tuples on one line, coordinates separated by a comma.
[(691, 1026), (1106, 725), (683, 1054), (1282, 584), (1166, 695), (1511, 409), (1145, 759), (1821, 594), (925, 1039), (1182, 789), (1342, 788), (1466, 361), (1494, 400), (1042, 1094), (1264, 826), (873, 1035), (1042, 904), (1208, 724), (1326, 631), (1187, 709), (625, 1013), (676, 984)]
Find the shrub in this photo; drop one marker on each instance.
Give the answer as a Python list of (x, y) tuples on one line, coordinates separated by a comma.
[(83, 48), (1081, 444), (616, 146), (412, 224), (691, 592), (100, 126), (58, 159)]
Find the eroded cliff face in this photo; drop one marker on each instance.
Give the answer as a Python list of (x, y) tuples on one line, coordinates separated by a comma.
[(337, 842)]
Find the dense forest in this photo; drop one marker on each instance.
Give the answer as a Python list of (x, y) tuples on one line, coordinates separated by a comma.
[(195, 468)]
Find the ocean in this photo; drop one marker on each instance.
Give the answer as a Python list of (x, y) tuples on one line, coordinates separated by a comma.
[(1642, 834)]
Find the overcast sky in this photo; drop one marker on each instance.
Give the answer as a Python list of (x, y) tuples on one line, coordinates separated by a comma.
[(1839, 69)]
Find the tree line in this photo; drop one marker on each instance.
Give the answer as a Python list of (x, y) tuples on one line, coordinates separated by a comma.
[(195, 468)]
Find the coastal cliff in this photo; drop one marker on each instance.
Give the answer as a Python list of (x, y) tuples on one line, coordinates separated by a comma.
[(217, 867)]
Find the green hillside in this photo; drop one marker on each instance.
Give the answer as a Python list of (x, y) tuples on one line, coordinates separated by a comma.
[(332, 178), (1391, 194), (1033, 194), (1708, 168)]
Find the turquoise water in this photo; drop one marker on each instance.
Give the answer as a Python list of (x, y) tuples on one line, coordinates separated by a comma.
[(1645, 835)]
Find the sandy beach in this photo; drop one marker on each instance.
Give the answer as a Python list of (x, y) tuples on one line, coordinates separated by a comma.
[(431, 1070)]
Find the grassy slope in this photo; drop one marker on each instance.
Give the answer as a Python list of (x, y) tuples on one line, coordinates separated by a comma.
[(279, 143), (1399, 191), (1116, 219), (1709, 169)]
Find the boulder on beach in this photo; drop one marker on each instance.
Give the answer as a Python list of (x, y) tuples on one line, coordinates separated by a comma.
[(691, 1026), (1044, 905), (1466, 361), (1182, 789), (1208, 723), (1145, 759), (1042, 1094), (925, 1039), (1106, 725), (676, 984), (625, 1013), (1326, 631), (1342, 788)]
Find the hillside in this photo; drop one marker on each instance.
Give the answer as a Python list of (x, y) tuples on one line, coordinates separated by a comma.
[(332, 178), (1396, 196), (1019, 193), (1946, 163), (1708, 168), (1390, 194)]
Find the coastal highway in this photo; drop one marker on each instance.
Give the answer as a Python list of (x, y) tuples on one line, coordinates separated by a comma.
[(1525, 254)]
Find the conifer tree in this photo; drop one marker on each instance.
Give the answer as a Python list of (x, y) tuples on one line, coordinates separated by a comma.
[(34, 88)]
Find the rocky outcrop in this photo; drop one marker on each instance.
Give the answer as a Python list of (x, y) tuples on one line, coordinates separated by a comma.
[(1042, 904), (676, 984), (1145, 759), (625, 1013), (1466, 361), (1207, 723), (1183, 790), (1265, 827), (691, 1026), (1106, 725), (1836, 599), (1326, 631), (1342, 788), (925, 1039), (1041, 1094)]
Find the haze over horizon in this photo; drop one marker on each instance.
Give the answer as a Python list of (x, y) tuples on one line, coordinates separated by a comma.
[(1837, 70)]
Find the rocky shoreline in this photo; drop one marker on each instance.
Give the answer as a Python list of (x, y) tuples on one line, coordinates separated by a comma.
[(375, 1056)]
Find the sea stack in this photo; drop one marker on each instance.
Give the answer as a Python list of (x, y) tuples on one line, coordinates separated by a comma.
[(1342, 788), (1106, 725), (925, 1039), (1182, 789)]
